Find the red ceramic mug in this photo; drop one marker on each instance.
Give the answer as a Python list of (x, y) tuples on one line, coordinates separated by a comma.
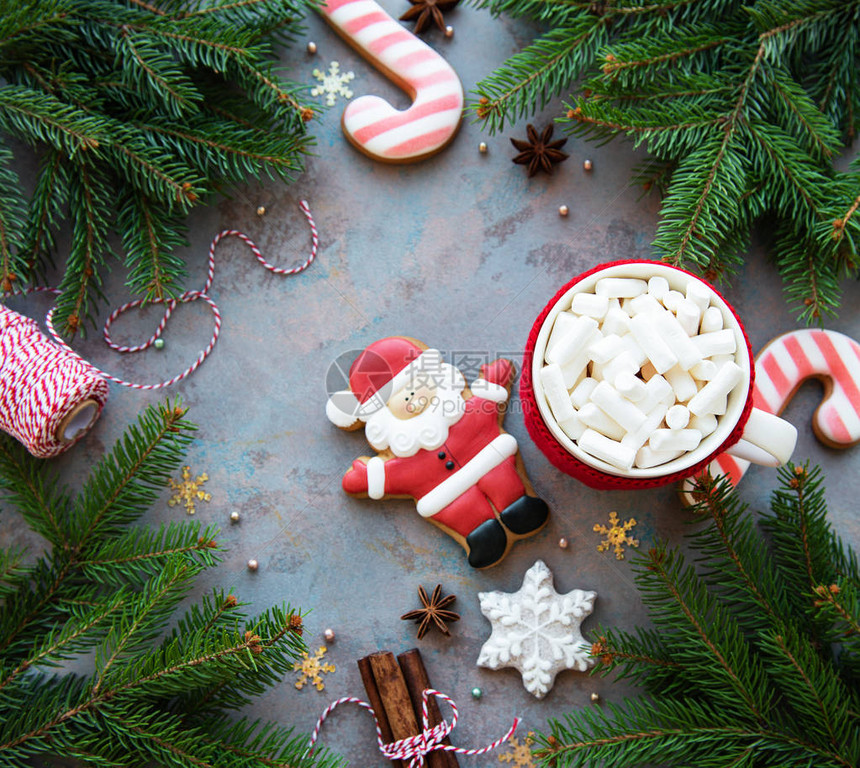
[(744, 431)]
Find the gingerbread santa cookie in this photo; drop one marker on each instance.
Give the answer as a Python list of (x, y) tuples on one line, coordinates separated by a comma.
[(440, 443)]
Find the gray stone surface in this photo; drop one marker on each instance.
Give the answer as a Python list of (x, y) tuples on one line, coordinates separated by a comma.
[(461, 251)]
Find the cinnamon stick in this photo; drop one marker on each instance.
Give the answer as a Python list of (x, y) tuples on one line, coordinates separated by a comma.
[(417, 680), (375, 701)]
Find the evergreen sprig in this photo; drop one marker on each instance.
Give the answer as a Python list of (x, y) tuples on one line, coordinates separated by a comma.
[(742, 107), (138, 111), (160, 688), (753, 659)]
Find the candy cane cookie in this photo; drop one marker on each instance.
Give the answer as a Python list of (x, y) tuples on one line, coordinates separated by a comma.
[(370, 123), (781, 367)]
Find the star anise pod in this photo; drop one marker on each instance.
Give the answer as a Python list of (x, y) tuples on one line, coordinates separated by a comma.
[(539, 153), (433, 612), (426, 11)]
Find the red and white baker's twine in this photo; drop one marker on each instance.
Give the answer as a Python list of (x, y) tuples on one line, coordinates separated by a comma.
[(42, 382), (187, 297), (415, 748)]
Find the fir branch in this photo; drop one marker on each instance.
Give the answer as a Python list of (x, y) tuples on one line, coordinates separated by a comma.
[(45, 213), (38, 498), (747, 103), (81, 78), (795, 657), (674, 591), (11, 222), (151, 235), (731, 555), (140, 554), (89, 203), (126, 482), (543, 70), (115, 590)]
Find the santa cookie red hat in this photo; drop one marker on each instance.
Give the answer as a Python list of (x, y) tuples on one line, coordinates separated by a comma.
[(384, 367)]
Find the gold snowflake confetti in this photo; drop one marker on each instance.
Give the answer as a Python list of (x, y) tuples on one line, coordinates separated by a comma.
[(312, 668), (332, 83), (616, 535), (519, 755), (188, 490)]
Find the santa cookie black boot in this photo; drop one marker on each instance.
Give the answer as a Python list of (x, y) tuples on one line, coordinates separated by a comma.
[(526, 515), (487, 544)]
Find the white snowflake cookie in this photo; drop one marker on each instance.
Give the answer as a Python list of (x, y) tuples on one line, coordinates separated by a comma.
[(537, 630)]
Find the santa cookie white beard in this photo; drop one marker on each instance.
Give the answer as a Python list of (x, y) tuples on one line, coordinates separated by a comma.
[(427, 429), (440, 444)]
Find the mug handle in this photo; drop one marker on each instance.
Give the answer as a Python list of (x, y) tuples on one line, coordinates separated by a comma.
[(767, 440)]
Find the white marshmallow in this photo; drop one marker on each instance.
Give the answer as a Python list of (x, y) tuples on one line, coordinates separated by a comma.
[(704, 371), (618, 408), (706, 423), (658, 352), (677, 339), (617, 321), (607, 450), (677, 417), (575, 368), (712, 320), (582, 391), (658, 287), (605, 348), (576, 339), (720, 360), (645, 303), (657, 391), (720, 407), (610, 371), (672, 299), (675, 439), (683, 384), (572, 427), (716, 343), (596, 419), (647, 457), (589, 304), (710, 398), (630, 386), (688, 313), (564, 323), (698, 292), (620, 287), (653, 419), (556, 392), (637, 354)]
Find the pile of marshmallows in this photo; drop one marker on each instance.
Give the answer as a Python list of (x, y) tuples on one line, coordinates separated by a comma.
[(636, 374)]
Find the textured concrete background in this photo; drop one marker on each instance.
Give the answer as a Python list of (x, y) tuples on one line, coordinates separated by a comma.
[(461, 251)]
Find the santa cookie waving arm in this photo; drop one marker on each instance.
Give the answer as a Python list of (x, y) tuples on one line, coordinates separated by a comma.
[(439, 444)]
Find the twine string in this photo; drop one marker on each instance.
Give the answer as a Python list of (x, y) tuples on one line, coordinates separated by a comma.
[(415, 748), (186, 298)]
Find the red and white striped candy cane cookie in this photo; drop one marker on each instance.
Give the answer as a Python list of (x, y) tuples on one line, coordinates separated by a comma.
[(781, 367), (370, 123)]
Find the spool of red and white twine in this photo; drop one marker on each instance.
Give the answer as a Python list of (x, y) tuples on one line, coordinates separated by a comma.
[(415, 748), (50, 396)]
